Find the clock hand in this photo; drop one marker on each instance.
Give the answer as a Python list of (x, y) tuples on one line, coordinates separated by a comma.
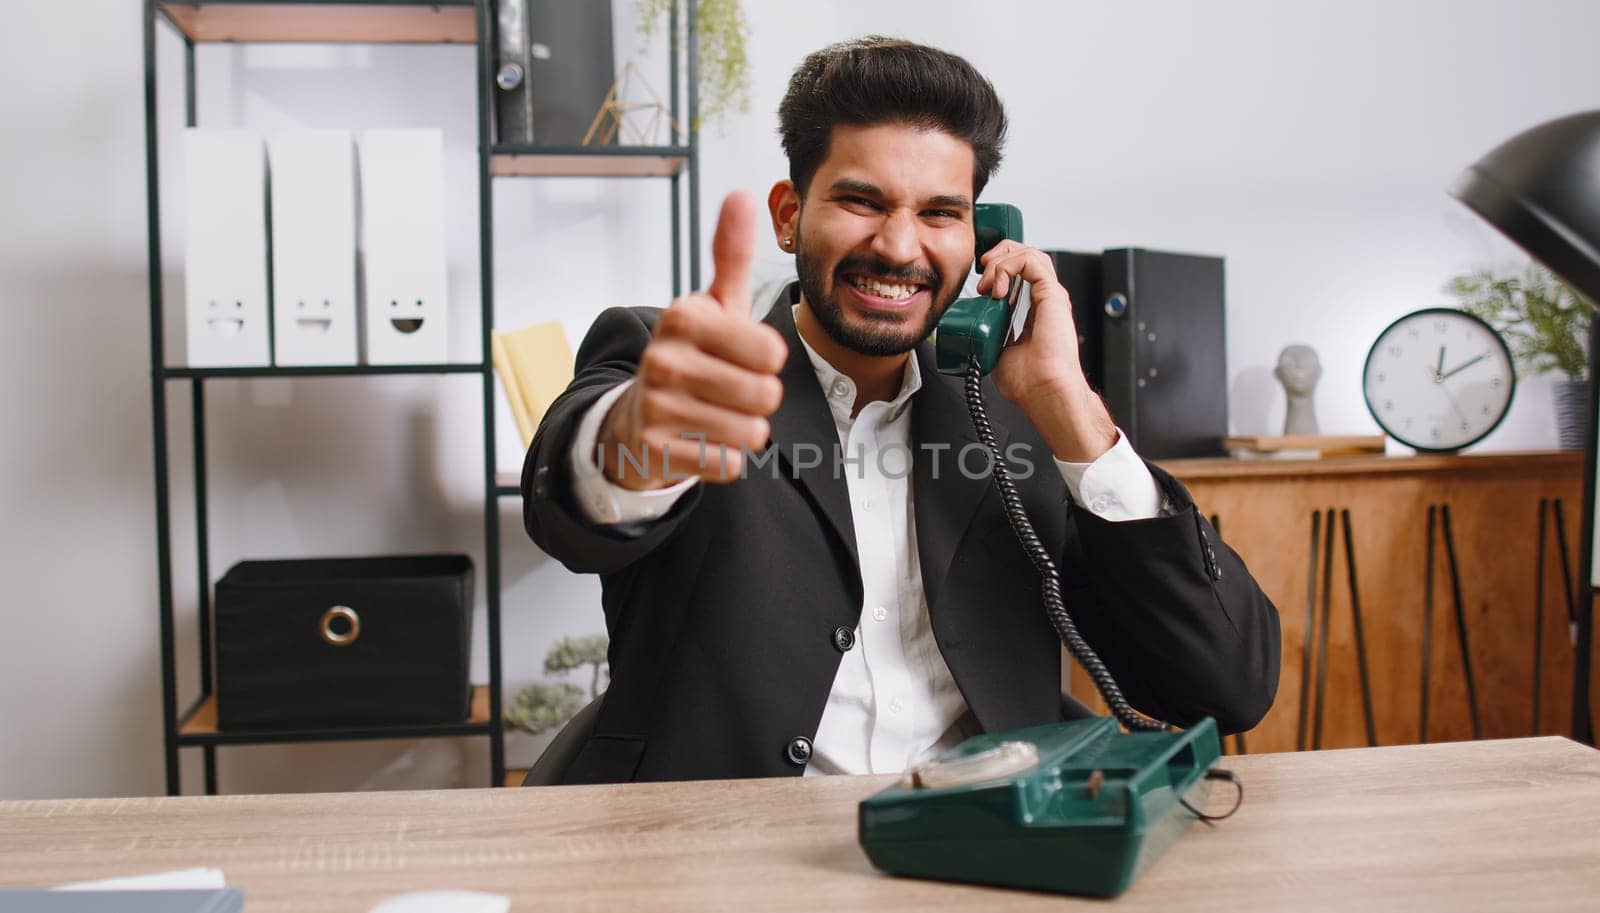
[(1452, 398), (1438, 372), (1462, 367)]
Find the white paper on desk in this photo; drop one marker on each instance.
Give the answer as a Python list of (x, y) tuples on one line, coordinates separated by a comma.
[(178, 880)]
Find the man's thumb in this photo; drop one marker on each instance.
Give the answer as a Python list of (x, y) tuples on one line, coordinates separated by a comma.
[(732, 249)]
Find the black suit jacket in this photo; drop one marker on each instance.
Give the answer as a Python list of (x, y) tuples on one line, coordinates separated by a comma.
[(722, 613)]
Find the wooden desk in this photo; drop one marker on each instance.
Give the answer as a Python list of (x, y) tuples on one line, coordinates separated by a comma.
[(1507, 825)]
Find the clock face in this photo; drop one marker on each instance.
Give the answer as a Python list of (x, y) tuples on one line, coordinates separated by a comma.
[(1438, 379)]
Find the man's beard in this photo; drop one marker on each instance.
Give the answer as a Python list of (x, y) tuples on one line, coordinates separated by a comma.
[(885, 335)]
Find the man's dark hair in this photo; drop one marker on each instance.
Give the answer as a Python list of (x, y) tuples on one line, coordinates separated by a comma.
[(878, 80)]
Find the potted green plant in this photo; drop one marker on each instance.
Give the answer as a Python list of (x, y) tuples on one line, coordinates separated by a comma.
[(1546, 324), (543, 706)]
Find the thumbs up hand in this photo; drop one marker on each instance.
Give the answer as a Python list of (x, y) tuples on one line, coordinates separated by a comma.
[(707, 380)]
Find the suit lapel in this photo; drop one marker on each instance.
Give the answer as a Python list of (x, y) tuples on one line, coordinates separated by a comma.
[(944, 497), (804, 433)]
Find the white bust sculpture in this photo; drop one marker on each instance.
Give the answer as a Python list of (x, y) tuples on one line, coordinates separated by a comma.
[(1299, 370)]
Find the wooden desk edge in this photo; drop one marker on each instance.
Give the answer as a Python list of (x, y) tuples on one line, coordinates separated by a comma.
[(1548, 746)]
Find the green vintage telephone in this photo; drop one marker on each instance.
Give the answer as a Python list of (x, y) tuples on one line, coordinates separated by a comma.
[(1078, 807)]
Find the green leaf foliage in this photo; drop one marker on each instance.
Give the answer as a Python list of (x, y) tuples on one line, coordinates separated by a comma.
[(575, 652), (721, 30), (547, 705), (1543, 320), (540, 707)]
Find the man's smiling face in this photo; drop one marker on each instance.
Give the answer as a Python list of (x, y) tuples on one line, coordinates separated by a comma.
[(884, 236)]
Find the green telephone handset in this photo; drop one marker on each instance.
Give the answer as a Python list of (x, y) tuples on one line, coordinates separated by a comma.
[(1077, 807), (978, 327)]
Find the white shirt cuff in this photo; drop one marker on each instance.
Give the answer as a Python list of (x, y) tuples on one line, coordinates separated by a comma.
[(602, 500), (1117, 486)]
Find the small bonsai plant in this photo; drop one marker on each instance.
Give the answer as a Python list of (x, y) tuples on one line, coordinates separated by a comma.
[(546, 705), (571, 653), (1543, 320)]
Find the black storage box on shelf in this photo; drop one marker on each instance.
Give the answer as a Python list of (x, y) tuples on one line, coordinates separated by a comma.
[(352, 641)]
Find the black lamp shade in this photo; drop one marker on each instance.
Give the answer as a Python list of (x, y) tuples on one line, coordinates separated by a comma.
[(1542, 189)]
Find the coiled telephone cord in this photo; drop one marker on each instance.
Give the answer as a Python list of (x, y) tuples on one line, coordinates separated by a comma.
[(1049, 578)]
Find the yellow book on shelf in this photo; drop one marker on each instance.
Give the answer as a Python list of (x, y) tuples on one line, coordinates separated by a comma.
[(534, 365)]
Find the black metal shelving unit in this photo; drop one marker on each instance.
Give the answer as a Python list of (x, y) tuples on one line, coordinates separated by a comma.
[(372, 21)]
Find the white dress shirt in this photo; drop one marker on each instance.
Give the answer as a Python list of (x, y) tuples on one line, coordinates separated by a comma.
[(893, 699)]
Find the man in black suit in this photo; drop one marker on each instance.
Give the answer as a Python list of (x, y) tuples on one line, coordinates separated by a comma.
[(805, 565)]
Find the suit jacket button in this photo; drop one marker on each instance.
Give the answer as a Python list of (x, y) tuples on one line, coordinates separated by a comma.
[(843, 639), (798, 751)]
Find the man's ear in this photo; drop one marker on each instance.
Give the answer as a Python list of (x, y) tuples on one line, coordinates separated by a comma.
[(783, 202)]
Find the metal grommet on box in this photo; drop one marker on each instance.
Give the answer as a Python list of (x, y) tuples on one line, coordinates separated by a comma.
[(509, 77), (843, 639), (798, 750), (340, 638)]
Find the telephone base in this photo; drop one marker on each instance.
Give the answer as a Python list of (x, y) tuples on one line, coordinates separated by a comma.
[(1095, 811)]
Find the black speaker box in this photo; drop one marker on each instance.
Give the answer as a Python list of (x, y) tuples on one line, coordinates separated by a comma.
[(1152, 333)]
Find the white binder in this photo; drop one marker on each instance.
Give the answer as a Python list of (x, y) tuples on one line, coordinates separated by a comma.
[(402, 242), (225, 255), (313, 247)]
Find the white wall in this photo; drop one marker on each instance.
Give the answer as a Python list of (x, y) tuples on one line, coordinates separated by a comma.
[(1309, 143)]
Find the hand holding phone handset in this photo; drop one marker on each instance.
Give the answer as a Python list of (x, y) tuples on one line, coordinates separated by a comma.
[(1076, 807), (969, 340), (978, 328)]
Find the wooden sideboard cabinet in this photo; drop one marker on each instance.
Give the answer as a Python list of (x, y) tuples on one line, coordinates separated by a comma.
[(1266, 509)]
